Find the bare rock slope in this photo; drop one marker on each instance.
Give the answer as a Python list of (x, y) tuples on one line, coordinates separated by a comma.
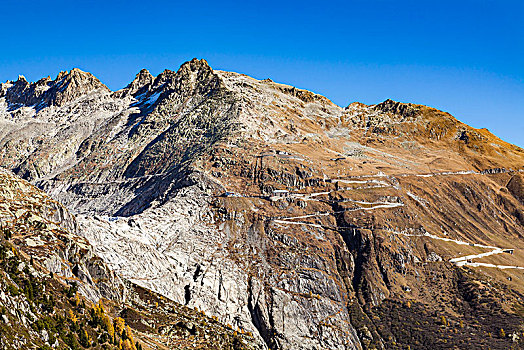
[(55, 292), (310, 225)]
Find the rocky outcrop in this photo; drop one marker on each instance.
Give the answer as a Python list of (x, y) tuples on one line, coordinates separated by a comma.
[(46, 231), (404, 109), (516, 187)]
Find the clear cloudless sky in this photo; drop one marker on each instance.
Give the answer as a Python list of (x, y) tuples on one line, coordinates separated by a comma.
[(465, 57)]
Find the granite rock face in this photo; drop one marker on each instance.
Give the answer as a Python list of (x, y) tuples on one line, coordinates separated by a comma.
[(270, 207), (48, 232)]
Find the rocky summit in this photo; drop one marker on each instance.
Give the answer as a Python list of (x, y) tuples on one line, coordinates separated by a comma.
[(207, 209)]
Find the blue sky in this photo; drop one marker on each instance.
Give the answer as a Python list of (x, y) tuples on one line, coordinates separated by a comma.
[(465, 57)]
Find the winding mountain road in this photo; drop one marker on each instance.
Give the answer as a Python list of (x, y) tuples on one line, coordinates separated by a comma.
[(466, 260), (367, 206)]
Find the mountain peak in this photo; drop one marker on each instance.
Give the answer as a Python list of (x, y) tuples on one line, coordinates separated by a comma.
[(192, 75), (71, 85), (143, 73), (402, 109), (196, 75), (194, 65), (138, 86), (68, 86), (73, 72), (194, 68)]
